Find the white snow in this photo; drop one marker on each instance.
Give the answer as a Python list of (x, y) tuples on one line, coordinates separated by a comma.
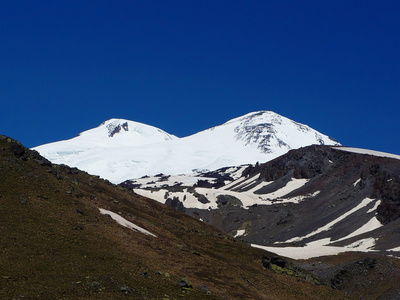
[(320, 248), (394, 249), (122, 221), (240, 232), (259, 186), (369, 226), (375, 207), (236, 172), (237, 183), (248, 198), (292, 185), (369, 152), (328, 226), (138, 149), (246, 183), (357, 182)]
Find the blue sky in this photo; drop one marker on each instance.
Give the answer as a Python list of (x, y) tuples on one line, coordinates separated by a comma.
[(185, 66)]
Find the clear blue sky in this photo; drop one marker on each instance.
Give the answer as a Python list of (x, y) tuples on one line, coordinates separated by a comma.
[(185, 66)]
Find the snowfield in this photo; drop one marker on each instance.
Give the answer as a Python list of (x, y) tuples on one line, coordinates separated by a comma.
[(119, 149), (247, 198)]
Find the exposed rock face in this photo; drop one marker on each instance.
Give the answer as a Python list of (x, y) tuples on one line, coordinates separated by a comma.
[(175, 203), (116, 128)]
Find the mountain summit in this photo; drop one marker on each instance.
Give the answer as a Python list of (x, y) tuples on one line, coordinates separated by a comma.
[(118, 133), (269, 132), (119, 149)]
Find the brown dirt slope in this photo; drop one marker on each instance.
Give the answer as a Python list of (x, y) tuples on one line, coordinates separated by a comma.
[(54, 243)]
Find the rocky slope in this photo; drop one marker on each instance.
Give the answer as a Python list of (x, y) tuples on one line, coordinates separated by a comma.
[(313, 201), (119, 149)]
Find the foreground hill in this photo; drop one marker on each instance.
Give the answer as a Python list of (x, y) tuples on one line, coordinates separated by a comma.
[(70, 235), (118, 149)]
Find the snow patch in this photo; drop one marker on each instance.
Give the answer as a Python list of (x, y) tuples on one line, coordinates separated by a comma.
[(369, 226), (357, 182), (292, 185), (122, 221), (320, 248), (248, 198), (328, 226), (375, 207), (259, 186), (240, 232)]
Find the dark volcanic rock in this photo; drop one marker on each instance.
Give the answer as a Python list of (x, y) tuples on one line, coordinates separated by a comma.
[(130, 184), (175, 203), (228, 200)]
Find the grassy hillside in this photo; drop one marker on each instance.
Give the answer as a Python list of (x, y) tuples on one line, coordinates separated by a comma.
[(55, 244)]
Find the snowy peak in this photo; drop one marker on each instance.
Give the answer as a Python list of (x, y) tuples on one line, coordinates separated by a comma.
[(120, 149), (120, 132), (115, 127), (257, 117), (269, 132)]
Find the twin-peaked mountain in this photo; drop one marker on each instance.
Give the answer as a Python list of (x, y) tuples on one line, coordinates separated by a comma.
[(336, 209), (119, 149)]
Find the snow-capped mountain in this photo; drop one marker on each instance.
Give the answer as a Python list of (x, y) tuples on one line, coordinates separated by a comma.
[(119, 149), (115, 133)]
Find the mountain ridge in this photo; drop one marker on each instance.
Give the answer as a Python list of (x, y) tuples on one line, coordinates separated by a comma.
[(257, 136)]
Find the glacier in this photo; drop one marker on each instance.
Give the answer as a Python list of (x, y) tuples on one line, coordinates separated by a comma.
[(120, 149)]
